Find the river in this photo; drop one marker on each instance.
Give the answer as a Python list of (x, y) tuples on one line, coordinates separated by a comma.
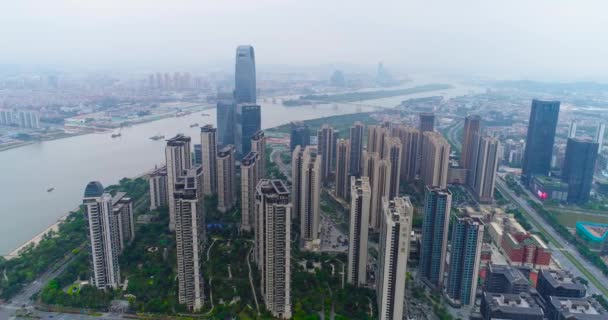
[(69, 164)]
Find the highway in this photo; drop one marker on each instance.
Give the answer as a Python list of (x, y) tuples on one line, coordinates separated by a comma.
[(565, 253)]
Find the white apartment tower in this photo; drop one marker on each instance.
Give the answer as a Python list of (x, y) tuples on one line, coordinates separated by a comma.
[(343, 155), (258, 145), (208, 157), (310, 189), (360, 194), (178, 159), (273, 240), (158, 188), (392, 262), (190, 237)]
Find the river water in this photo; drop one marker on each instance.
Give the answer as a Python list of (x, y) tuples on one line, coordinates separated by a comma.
[(26, 208)]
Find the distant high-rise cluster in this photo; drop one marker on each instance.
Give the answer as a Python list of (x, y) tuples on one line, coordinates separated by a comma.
[(177, 81), (20, 118)]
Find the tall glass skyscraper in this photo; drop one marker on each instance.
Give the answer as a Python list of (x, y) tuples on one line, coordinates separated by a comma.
[(437, 204), (540, 139), (244, 75), (248, 122), (226, 114), (578, 168)]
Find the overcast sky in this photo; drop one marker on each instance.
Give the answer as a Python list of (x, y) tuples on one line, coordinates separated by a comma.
[(565, 39)]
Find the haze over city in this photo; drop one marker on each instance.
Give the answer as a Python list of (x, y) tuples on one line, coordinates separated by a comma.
[(544, 40)]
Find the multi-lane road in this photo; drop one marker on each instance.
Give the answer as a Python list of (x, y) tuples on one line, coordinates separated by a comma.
[(565, 253)]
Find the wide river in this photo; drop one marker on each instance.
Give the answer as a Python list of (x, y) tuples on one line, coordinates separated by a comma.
[(26, 208)]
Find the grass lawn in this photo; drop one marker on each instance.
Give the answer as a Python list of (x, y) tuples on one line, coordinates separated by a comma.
[(569, 219)]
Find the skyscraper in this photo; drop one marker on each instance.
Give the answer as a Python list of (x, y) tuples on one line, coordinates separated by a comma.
[(436, 156), (409, 138), (540, 139), (381, 185), (471, 127), (178, 159), (208, 155), (578, 168), (437, 205), (465, 255), (244, 75), (190, 237), (392, 261), (258, 145), (376, 138), (226, 119), (483, 166), (273, 240), (249, 181), (426, 124), (393, 155), (297, 162), (300, 135), (356, 148), (372, 138), (248, 122), (103, 234), (122, 207), (158, 188), (310, 196), (342, 181), (325, 148), (226, 179), (360, 205)]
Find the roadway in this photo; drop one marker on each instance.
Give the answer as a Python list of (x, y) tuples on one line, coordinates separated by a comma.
[(564, 252), (275, 157)]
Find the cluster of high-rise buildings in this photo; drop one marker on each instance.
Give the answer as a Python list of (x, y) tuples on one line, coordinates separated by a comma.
[(177, 81), (21, 118), (573, 183)]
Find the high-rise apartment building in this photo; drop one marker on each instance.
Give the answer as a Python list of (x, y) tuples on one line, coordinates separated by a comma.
[(436, 157), (483, 166), (393, 154), (471, 127), (325, 148), (273, 241), (104, 236), (226, 179), (377, 136), (409, 138), (426, 123), (122, 207), (579, 167), (249, 181), (244, 76), (540, 139), (360, 206), (465, 260), (394, 249), (300, 135), (158, 188), (178, 159), (342, 181), (190, 237), (380, 188), (297, 162), (208, 157), (226, 119), (258, 145), (356, 148), (310, 196), (437, 205), (248, 122)]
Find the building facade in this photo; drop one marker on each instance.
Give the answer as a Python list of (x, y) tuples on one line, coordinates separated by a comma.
[(310, 196), (409, 138), (226, 119), (325, 148), (258, 145), (483, 167), (360, 206), (472, 125), (436, 157), (539, 139), (208, 159), (465, 259), (273, 242), (248, 122), (158, 188), (393, 153), (437, 206), (342, 180), (249, 181), (356, 148), (392, 261), (178, 159), (226, 179), (579, 167), (300, 135), (244, 75)]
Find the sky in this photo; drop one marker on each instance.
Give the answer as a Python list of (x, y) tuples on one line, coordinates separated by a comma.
[(519, 39)]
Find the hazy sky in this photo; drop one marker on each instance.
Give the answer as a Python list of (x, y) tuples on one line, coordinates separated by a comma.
[(502, 38)]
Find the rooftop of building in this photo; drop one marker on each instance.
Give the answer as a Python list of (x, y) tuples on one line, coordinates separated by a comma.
[(561, 278), (93, 189), (572, 308), (159, 171), (208, 128), (257, 135), (225, 150), (250, 158), (550, 182), (513, 303), (272, 186), (510, 273), (179, 139)]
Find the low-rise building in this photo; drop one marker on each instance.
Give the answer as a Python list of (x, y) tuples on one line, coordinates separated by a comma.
[(560, 308), (548, 188), (560, 283), (510, 306), (505, 279)]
